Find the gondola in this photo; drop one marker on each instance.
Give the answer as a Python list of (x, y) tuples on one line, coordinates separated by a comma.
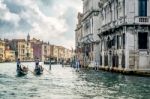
[(39, 70), (22, 71)]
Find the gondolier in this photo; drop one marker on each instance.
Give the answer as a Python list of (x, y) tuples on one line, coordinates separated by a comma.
[(38, 69), (18, 64), (37, 63), (20, 70)]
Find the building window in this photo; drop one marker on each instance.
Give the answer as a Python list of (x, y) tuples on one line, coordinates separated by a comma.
[(142, 40), (106, 60), (117, 7), (123, 60), (117, 42), (113, 60), (142, 7), (113, 41), (23, 51), (101, 60), (117, 61), (123, 40)]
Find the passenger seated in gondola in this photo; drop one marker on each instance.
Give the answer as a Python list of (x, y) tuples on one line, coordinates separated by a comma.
[(18, 64), (37, 63), (25, 68)]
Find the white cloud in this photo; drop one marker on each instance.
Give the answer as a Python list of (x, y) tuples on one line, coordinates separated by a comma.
[(6, 15), (31, 19)]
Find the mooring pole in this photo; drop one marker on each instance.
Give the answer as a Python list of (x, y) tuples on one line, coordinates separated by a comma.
[(49, 63)]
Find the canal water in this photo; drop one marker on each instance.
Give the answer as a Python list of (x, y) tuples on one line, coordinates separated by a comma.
[(67, 83)]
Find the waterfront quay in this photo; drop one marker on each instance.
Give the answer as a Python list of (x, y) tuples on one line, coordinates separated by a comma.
[(143, 73), (67, 83)]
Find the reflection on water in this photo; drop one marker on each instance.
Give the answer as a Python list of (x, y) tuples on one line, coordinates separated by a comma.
[(66, 83)]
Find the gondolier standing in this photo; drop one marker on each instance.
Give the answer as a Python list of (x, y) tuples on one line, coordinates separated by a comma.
[(18, 64), (38, 68), (21, 70), (37, 63)]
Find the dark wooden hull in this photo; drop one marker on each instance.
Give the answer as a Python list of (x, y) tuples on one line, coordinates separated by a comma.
[(22, 72), (38, 71)]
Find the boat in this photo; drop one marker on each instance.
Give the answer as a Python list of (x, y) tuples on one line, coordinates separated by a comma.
[(39, 70), (22, 71), (47, 62)]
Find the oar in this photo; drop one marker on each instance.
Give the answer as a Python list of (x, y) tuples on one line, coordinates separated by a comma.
[(31, 71), (45, 69)]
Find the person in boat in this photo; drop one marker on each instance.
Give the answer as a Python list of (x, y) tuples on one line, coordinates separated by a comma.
[(25, 68), (18, 64), (37, 63)]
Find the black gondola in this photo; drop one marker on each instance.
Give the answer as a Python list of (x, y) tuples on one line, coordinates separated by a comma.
[(22, 71), (39, 70)]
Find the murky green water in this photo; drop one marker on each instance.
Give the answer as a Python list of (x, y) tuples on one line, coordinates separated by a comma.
[(66, 83)]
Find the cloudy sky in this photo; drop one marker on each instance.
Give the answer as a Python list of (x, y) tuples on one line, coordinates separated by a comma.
[(48, 20)]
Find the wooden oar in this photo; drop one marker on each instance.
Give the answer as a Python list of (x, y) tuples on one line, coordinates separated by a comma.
[(45, 69), (31, 71)]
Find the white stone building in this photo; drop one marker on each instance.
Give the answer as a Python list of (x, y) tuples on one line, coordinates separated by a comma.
[(90, 25), (78, 37), (124, 34)]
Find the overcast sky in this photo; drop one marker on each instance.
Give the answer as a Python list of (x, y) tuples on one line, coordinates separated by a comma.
[(48, 20)]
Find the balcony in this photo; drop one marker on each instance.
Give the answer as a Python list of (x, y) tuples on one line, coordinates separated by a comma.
[(142, 20), (107, 26), (88, 39), (111, 25)]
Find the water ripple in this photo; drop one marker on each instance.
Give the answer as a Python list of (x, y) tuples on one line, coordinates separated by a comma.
[(66, 83)]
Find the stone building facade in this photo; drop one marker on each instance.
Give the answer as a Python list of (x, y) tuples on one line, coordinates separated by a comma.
[(118, 32), (2, 50), (9, 55), (45, 51), (37, 48), (89, 38), (125, 34), (22, 49), (78, 37)]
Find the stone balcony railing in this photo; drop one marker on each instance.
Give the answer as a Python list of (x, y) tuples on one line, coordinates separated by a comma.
[(86, 15), (142, 20), (111, 25)]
